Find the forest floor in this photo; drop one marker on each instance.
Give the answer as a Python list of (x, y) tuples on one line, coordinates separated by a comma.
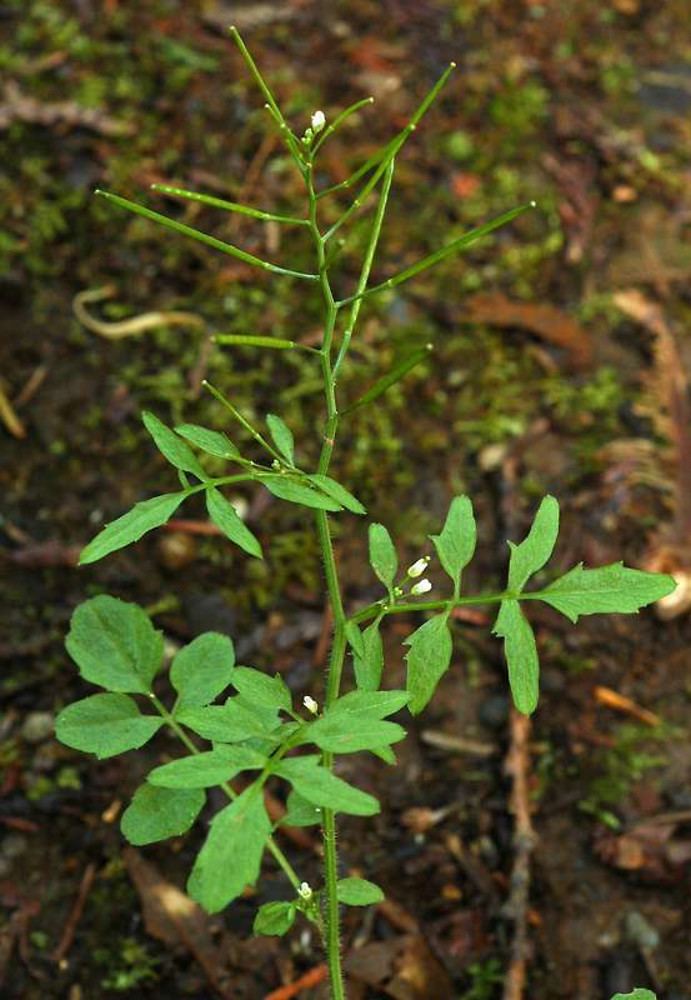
[(560, 352)]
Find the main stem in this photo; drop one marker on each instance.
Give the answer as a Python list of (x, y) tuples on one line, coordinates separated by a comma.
[(332, 941)]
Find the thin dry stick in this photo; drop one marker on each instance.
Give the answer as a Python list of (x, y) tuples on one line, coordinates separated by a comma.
[(517, 766), (75, 916)]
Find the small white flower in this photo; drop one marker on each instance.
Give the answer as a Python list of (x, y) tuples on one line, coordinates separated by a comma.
[(310, 704), (421, 587), (305, 890), (318, 121), (418, 567)]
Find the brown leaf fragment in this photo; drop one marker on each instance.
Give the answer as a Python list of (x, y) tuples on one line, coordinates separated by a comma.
[(177, 920), (404, 968), (541, 319)]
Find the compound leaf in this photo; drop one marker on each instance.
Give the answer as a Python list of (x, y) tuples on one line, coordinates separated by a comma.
[(322, 788), (105, 725), (358, 892), (456, 542), (427, 660), (382, 555), (158, 813), (202, 669), (282, 437), (171, 447), (115, 645), (614, 588), (536, 548), (130, 527), (231, 856), (521, 655)]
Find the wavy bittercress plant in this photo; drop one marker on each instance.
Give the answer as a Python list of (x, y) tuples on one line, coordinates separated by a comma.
[(235, 721)]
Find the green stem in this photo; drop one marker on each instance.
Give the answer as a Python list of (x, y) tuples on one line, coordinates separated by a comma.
[(380, 608), (244, 422), (332, 915), (366, 266), (271, 844)]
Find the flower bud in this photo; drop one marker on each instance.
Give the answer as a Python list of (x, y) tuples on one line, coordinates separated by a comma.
[(418, 567), (305, 890), (310, 704), (421, 587), (318, 121)]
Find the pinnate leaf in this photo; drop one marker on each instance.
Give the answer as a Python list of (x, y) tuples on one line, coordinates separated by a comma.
[(536, 548), (158, 813), (294, 492), (231, 856), (382, 555), (274, 918), (171, 447), (322, 788), (204, 770), (456, 542), (427, 660), (260, 689), (115, 645), (339, 493), (211, 442), (358, 892), (614, 588), (203, 669), (105, 725), (130, 527), (282, 437), (225, 517), (521, 655)]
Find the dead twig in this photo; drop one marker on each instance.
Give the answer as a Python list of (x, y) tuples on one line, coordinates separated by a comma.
[(620, 703), (75, 915), (9, 417), (517, 766), (127, 327), (312, 978), (31, 386)]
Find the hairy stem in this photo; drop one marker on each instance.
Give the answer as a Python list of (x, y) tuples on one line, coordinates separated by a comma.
[(333, 942)]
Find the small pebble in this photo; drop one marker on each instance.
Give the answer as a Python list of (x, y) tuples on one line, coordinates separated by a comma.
[(37, 727), (641, 932)]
